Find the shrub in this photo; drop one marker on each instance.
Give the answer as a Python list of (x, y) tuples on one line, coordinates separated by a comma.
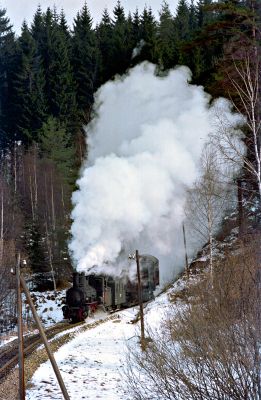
[(210, 349)]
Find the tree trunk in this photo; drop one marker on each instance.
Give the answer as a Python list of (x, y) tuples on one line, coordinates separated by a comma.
[(2, 229), (50, 256)]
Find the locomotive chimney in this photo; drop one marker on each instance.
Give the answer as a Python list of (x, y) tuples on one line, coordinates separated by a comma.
[(75, 279)]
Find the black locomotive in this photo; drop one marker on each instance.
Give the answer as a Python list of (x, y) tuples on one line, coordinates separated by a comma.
[(89, 291)]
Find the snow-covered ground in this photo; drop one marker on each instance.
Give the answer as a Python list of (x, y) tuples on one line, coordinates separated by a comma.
[(92, 363), (7, 339), (49, 306)]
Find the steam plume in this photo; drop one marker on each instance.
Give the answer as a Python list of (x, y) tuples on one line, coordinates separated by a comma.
[(144, 145)]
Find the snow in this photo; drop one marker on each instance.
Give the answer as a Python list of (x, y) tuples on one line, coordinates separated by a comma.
[(6, 340), (49, 306), (92, 363)]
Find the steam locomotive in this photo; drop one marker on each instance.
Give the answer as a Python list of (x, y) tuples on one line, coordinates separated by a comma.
[(90, 291)]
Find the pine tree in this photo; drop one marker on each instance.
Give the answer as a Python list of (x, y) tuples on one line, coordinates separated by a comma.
[(55, 146), (136, 29), (119, 14), (105, 44), (85, 58), (29, 101), (148, 29), (34, 247), (62, 102), (200, 46), (121, 45), (182, 30), (65, 30), (53, 45), (239, 38), (204, 13), (38, 29), (166, 39), (7, 67), (193, 23), (45, 47), (182, 21)]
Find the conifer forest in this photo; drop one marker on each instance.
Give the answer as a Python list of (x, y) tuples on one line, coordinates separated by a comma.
[(49, 74)]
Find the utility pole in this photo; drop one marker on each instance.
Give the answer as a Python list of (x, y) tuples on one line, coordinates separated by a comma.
[(185, 247), (142, 334), (240, 207), (44, 339), (20, 332)]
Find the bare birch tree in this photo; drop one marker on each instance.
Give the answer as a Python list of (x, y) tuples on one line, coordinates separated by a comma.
[(246, 99), (207, 200)]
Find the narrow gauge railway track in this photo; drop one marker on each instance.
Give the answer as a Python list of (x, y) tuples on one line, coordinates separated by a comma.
[(9, 356)]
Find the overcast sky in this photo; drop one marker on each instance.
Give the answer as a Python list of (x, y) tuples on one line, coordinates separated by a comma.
[(18, 10)]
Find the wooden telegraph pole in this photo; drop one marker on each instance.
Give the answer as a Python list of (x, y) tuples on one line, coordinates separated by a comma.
[(44, 339), (185, 247), (142, 334), (20, 282), (20, 332), (240, 207)]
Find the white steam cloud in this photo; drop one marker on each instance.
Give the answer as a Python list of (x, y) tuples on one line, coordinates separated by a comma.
[(144, 145)]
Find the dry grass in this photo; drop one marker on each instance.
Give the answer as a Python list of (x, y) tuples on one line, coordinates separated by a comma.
[(212, 350)]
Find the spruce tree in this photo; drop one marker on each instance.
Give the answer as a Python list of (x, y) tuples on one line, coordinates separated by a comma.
[(62, 102), (55, 145), (29, 100), (84, 60), (237, 30), (7, 68), (65, 29), (182, 29), (54, 47), (136, 29), (166, 39), (105, 44), (148, 34), (203, 13), (193, 23), (38, 29), (122, 50), (182, 21)]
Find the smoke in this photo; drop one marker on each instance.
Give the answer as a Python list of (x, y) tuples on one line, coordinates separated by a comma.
[(137, 50), (144, 146)]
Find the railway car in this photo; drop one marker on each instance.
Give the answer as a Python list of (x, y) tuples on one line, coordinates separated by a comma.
[(110, 292), (89, 291), (149, 266)]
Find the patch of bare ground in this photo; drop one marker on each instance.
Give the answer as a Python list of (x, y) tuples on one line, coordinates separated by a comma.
[(9, 387)]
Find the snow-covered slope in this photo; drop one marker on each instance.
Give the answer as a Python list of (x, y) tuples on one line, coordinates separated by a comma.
[(92, 363), (49, 306)]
